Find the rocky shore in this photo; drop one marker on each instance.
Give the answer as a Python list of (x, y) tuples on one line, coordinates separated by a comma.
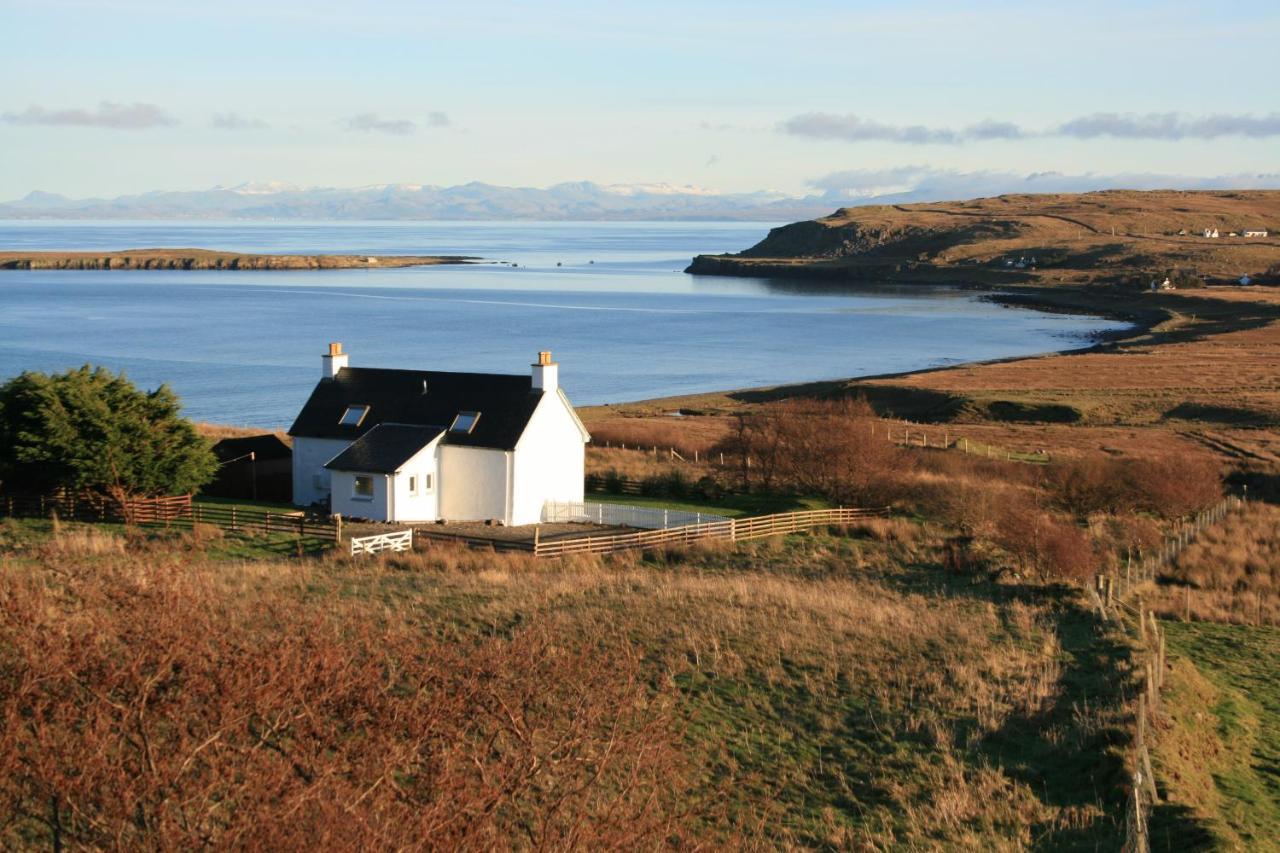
[(205, 259)]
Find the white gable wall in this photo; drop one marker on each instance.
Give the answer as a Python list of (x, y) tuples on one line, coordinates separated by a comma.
[(309, 457), (549, 460), (422, 506), (474, 483), (377, 508)]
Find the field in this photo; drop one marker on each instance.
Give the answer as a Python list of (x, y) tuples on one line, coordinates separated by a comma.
[(833, 690), (1218, 755)]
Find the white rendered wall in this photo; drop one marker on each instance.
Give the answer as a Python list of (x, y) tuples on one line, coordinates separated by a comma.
[(422, 506), (473, 484), (550, 461), (309, 456), (377, 508)]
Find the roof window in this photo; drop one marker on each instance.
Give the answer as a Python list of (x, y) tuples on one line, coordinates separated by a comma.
[(465, 422), (354, 415)]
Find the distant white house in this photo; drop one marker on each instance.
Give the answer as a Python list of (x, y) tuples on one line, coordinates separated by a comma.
[(421, 445), (1211, 233), (1254, 232)]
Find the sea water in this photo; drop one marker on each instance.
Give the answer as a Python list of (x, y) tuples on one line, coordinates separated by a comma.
[(609, 300)]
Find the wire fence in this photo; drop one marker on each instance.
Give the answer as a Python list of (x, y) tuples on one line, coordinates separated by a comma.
[(1147, 566), (1119, 598), (622, 515)]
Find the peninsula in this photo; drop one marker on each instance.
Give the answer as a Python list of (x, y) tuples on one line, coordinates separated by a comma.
[(206, 259), (1110, 237)]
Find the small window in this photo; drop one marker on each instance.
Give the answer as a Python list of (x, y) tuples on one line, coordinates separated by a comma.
[(465, 422), (353, 415), (427, 484), (413, 485), (363, 487)]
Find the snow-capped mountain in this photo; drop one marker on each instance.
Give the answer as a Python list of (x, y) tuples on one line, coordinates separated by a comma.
[(567, 201)]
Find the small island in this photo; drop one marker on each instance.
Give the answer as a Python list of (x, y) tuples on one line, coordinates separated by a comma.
[(207, 259)]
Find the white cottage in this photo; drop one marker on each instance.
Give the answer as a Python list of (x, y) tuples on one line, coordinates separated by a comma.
[(424, 445)]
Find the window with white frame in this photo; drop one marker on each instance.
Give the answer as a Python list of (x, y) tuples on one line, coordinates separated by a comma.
[(354, 415), (427, 484), (413, 484), (362, 487)]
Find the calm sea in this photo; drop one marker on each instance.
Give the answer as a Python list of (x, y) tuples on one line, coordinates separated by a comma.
[(609, 299)]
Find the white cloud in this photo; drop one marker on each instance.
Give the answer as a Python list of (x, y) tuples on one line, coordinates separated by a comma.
[(372, 123), (1165, 126), (235, 121), (927, 183), (108, 114)]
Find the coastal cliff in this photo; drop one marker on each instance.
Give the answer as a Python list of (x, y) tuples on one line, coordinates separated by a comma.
[(204, 259), (1113, 236)]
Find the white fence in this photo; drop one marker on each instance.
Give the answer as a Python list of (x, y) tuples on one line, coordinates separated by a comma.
[(623, 515), (401, 540)]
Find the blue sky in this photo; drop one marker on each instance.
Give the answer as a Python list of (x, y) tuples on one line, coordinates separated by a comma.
[(104, 98)]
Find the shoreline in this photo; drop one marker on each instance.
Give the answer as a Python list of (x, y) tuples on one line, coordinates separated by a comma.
[(1080, 300), (210, 259)]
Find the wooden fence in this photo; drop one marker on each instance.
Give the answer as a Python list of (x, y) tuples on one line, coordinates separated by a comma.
[(401, 540), (733, 529), (238, 519), (1147, 566), (1119, 598), (89, 506)]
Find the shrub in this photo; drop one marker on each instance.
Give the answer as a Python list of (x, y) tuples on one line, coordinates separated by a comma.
[(90, 429)]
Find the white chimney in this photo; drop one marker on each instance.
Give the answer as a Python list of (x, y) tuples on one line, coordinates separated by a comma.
[(546, 373), (334, 360)]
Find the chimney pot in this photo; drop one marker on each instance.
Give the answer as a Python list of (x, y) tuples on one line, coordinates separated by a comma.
[(545, 372), (333, 361)]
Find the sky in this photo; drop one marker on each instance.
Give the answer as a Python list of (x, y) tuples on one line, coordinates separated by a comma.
[(102, 98)]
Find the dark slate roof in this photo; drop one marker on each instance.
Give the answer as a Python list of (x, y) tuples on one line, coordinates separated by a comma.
[(264, 447), (505, 404), (383, 449)]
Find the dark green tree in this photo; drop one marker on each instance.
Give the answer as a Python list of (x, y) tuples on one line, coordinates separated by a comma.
[(91, 429)]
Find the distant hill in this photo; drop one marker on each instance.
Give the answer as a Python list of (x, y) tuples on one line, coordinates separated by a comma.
[(1065, 237), (474, 201)]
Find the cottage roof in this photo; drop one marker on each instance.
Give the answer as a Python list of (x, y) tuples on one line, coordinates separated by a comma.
[(264, 447), (420, 398), (383, 449)]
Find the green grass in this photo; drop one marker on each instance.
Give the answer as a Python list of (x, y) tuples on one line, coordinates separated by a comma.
[(240, 503), (1220, 757)]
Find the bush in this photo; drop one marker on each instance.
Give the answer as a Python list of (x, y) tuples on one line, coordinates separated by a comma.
[(90, 429)]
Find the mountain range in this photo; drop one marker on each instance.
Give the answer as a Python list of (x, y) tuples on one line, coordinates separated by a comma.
[(474, 201)]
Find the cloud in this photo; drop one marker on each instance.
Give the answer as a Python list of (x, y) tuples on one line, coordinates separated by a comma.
[(1165, 126), (927, 183), (1170, 126), (108, 114), (371, 123), (852, 128), (990, 129), (235, 121), (438, 119)]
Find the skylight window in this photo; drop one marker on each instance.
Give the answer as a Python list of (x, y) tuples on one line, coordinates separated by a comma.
[(465, 422), (353, 415)]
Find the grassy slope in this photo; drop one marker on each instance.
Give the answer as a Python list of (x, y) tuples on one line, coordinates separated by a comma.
[(1219, 755), (1076, 237), (836, 691)]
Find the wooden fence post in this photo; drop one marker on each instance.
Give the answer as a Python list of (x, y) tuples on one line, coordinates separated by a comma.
[(337, 527)]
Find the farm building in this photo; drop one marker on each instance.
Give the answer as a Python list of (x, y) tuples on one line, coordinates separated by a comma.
[(421, 445), (1254, 232), (255, 467)]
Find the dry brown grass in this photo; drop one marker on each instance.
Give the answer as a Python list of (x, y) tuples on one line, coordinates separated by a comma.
[(1230, 573), (452, 696)]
